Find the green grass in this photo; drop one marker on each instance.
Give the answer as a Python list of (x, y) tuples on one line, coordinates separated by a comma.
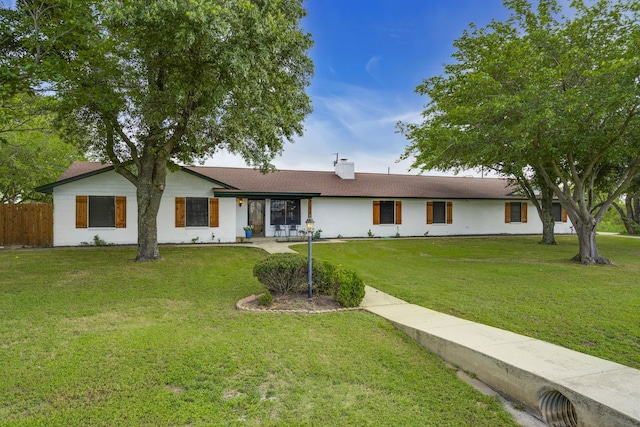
[(513, 283), (88, 337)]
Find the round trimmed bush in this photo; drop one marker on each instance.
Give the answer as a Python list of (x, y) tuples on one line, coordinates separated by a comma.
[(350, 287), (324, 282), (288, 273), (282, 273)]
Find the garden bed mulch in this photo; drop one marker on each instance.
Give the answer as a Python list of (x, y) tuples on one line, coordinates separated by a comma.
[(294, 303)]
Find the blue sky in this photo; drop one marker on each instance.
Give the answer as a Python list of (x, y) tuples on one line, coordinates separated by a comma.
[(369, 56)]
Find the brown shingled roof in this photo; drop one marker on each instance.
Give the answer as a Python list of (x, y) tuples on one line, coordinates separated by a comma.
[(328, 184), (81, 168)]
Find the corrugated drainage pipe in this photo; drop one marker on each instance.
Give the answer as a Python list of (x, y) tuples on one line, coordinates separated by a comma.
[(557, 410)]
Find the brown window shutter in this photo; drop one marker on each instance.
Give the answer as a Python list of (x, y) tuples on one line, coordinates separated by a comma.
[(507, 212), (524, 212), (214, 214), (121, 212), (564, 215), (449, 212), (180, 217), (376, 212), (429, 212), (82, 203), (398, 212), (309, 209)]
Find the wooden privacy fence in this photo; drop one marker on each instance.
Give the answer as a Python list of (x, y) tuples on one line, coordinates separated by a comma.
[(28, 224)]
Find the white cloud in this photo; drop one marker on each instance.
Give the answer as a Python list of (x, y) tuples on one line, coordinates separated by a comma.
[(357, 123), (371, 66)]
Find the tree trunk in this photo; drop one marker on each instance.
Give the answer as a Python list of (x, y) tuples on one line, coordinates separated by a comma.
[(626, 221), (546, 216), (589, 255), (151, 183), (631, 220)]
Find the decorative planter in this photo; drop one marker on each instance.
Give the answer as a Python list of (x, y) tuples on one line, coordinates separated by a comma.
[(248, 233)]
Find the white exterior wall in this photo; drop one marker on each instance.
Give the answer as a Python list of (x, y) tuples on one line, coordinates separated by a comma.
[(347, 217), (178, 184), (65, 232), (354, 218)]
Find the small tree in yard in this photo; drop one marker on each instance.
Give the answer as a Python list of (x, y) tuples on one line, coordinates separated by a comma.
[(156, 83), (555, 98)]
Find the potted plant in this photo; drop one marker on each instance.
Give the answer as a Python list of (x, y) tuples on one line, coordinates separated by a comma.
[(248, 230)]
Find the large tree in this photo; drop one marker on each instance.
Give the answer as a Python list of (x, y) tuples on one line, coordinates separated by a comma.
[(154, 83), (556, 96), (31, 153)]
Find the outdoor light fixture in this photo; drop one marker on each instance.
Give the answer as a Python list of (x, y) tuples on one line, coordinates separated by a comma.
[(240, 202), (309, 223)]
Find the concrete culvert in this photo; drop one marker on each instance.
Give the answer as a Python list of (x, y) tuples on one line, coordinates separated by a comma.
[(557, 410)]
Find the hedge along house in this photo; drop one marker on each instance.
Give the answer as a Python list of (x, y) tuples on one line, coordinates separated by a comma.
[(214, 204)]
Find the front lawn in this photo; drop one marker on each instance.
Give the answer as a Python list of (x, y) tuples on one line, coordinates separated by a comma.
[(90, 338), (513, 283)]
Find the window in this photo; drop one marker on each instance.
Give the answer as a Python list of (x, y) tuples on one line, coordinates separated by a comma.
[(515, 212), (559, 214), (285, 212), (439, 212), (101, 211), (196, 212), (387, 212)]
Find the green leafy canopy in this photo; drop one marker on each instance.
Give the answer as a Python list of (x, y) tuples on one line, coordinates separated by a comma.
[(541, 95)]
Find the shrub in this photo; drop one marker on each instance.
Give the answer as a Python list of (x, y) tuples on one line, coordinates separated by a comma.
[(324, 277), (265, 299), (282, 273), (288, 273), (350, 287)]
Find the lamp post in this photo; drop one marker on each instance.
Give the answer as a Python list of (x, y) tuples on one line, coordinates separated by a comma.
[(309, 223)]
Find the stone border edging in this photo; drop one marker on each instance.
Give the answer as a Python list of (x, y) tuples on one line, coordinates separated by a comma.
[(240, 305)]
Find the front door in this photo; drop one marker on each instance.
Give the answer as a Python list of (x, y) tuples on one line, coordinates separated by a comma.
[(256, 216)]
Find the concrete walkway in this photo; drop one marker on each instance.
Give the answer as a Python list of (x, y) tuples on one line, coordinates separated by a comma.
[(563, 387), (270, 245)]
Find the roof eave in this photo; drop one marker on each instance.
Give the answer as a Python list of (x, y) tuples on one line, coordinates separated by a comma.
[(264, 194), (199, 175)]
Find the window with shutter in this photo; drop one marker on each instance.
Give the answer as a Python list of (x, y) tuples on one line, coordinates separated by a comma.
[(439, 212), (101, 212), (515, 212)]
